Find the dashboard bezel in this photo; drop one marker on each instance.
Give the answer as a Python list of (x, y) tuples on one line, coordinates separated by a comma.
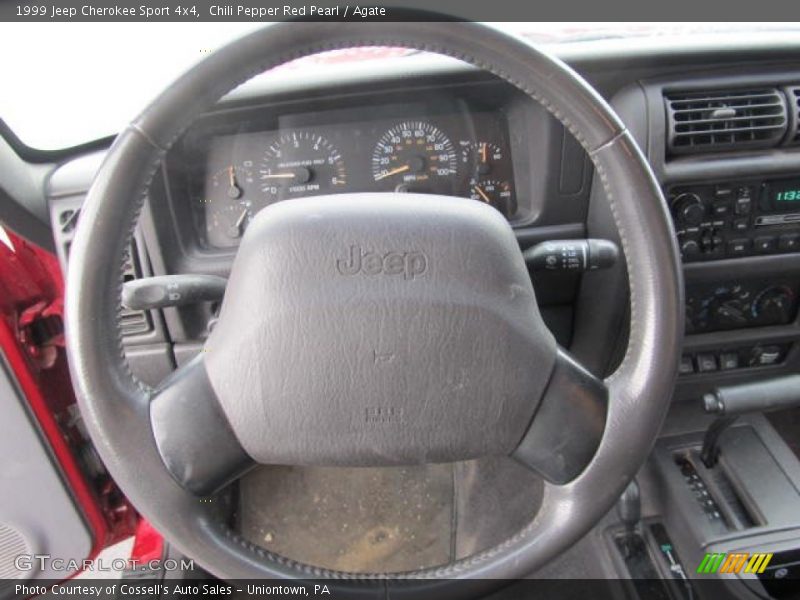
[(538, 175), (250, 139)]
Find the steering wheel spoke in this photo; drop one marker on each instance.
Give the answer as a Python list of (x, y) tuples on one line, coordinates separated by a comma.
[(566, 430), (193, 436)]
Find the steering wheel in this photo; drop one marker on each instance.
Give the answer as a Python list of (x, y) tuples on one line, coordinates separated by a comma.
[(375, 329)]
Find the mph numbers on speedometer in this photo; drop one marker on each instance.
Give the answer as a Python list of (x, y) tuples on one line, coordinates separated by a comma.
[(414, 153)]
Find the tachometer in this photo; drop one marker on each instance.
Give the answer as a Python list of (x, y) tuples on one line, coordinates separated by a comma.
[(414, 152), (301, 163)]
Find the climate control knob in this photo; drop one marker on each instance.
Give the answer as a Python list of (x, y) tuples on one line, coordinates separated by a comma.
[(773, 305), (689, 209)]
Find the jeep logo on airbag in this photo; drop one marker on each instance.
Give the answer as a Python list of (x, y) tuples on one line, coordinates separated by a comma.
[(408, 264)]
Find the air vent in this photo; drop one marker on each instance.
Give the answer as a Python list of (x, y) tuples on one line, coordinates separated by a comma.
[(725, 120), (133, 322), (793, 97)]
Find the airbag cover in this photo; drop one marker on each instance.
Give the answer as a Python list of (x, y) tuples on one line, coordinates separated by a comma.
[(379, 329)]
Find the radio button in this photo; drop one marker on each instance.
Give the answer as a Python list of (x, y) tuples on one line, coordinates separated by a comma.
[(739, 247), (723, 192), (765, 244), (741, 224), (743, 205), (720, 209), (789, 242)]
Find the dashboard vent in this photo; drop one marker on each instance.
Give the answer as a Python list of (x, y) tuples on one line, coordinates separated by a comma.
[(723, 120), (133, 322), (793, 96)]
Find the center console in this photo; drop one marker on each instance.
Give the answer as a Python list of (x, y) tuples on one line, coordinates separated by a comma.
[(725, 148), (741, 510)]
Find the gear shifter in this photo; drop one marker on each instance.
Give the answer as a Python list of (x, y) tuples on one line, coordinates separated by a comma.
[(731, 401)]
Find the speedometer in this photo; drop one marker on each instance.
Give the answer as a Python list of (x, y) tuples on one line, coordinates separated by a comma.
[(414, 152)]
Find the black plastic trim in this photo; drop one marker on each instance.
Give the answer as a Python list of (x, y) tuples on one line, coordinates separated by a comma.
[(193, 436), (34, 155), (568, 426)]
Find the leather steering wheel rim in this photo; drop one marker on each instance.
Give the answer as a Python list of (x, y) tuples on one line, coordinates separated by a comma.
[(115, 405)]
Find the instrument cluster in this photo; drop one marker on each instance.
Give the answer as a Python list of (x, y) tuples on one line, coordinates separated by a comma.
[(464, 154)]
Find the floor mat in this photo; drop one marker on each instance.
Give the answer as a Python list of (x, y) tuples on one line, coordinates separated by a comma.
[(386, 519), (368, 519)]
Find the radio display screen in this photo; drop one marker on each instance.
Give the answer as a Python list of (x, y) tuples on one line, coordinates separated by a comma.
[(784, 195)]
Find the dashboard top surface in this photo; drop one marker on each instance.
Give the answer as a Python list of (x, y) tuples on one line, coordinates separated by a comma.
[(608, 64)]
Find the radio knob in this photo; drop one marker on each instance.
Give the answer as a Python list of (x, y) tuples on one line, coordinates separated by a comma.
[(690, 248), (689, 209)]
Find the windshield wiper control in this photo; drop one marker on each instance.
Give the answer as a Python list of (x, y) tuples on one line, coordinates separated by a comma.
[(172, 290), (572, 255)]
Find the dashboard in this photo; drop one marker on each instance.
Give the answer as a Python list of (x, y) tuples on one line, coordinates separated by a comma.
[(460, 149), (422, 126), (729, 169)]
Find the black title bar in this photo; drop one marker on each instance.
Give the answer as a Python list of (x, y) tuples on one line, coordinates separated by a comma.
[(397, 10)]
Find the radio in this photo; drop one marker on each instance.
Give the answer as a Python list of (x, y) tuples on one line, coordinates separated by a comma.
[(733, 219)]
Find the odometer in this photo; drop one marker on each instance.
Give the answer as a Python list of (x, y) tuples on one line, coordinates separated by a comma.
[(412, 153)]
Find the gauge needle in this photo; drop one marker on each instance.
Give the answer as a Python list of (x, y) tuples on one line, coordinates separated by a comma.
[(483, 153), (234, 191), (279, 176), (241, 219), (482, 194), (402, 169)]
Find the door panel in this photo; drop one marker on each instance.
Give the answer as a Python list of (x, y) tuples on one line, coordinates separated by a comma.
[(57, 498), (38, 514)]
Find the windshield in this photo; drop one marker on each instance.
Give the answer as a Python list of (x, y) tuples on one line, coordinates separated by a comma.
[(71, 83)]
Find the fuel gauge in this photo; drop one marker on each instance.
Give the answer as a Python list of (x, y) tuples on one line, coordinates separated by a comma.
[(225, 223)]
